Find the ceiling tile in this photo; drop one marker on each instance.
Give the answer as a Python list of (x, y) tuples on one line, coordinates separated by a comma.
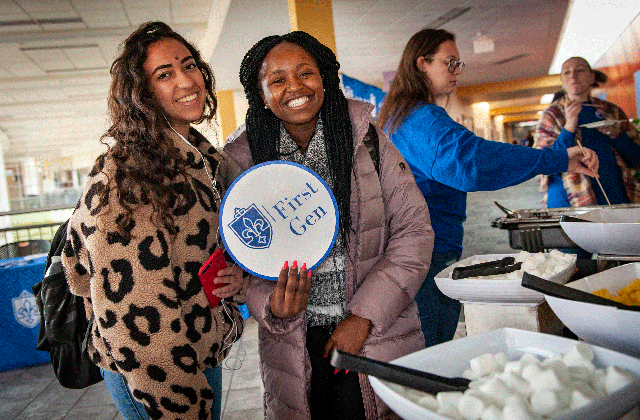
[(86, 57), (140, 15), (113, 18), (150, 4), (39, 6), (96, 5)]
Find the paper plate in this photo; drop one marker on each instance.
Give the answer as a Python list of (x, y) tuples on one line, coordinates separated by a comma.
[(275, 212)]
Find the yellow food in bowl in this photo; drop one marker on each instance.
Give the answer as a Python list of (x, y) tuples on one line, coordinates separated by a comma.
[(629, 295)]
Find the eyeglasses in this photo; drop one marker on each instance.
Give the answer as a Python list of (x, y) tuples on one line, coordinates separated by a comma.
[(452, 64)]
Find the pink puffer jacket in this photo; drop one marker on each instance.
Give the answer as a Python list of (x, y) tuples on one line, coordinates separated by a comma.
[(389, 257)]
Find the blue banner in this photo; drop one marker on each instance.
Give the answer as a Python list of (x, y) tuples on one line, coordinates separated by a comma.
[(364, 92)]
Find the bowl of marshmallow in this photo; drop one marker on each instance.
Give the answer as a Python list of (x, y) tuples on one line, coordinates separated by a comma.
[(519, 375), (506, 288)]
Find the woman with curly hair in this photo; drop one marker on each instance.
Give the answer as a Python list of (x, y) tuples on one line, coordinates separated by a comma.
[(449, 161), (146, 222), (298, 113)]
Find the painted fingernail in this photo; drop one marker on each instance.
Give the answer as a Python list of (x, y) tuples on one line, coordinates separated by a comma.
[(286, 264), (346, 371), (295, 264), (309, 273), (304, 266), (335, 372)]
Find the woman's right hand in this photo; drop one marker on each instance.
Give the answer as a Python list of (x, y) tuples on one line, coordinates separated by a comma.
[(291, 293), (583, 160), (571, 112)]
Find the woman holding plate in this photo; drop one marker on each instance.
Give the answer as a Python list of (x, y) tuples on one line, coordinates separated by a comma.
[(360, 298), (600, 126)]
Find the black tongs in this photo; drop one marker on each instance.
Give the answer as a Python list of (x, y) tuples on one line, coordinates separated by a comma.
[(400, 375), (567, 218), (489, 268), (558, 290)]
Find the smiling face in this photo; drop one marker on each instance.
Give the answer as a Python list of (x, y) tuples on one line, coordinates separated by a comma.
[(292, 88), (176, 83), (436, 69), (577, 77)]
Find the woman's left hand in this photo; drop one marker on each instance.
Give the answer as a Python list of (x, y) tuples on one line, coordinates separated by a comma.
[(232, 276), (349, 335)]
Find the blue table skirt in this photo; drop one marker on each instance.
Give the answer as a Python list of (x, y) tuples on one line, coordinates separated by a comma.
[(19, 316)]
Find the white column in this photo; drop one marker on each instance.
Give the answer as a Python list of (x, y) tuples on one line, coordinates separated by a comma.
[(4, 191), (30, 182)]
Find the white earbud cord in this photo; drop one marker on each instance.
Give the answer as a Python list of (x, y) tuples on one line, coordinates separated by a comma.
[(234, 327)]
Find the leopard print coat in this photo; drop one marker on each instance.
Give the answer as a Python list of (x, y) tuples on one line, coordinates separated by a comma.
[(153, 323)]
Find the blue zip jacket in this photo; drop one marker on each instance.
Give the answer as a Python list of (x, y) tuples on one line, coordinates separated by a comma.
[(448, 161)]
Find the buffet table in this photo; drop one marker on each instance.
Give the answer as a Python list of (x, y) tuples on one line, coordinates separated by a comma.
[(19, 316)]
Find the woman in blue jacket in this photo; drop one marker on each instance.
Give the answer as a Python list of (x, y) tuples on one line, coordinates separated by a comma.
[(448, 161)]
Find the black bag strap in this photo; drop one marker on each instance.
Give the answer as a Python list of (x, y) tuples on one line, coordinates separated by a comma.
[(372, 142)]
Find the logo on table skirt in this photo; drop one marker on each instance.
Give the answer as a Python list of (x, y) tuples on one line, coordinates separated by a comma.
[(251, 227), (25, 309)]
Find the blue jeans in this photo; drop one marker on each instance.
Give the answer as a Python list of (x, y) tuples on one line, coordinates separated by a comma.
[(439, 314), (131, 409)]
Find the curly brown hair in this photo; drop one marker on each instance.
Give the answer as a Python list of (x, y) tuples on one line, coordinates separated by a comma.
[(137, 142)]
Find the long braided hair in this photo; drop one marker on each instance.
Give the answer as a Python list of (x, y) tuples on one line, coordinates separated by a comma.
[(263, 127), (144, 157)]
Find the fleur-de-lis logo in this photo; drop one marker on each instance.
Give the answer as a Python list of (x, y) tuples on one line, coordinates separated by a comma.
[(251, 227), (25, 310)]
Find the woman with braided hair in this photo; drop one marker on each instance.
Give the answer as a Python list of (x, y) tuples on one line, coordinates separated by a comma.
[(298, 113)]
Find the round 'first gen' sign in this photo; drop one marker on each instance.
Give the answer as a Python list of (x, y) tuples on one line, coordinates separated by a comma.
[(275, 212)]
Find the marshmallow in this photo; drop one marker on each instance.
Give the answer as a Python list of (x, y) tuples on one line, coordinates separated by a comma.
[(469, 374), (516, 409), (448, 398), (496, 389), (450, 411), (492, 413), (531, 371), (579, 399), (546, 379), (517, 383), (546, 402), (616, 379), (501, 359), (429, 402), (484, 364), (471, 407)]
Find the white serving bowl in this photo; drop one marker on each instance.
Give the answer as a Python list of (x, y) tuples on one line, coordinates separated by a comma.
[(494, 291), (614, 232), (606, 326), (452, 358)]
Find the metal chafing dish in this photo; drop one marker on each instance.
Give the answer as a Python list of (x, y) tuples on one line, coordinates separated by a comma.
[(536, 230)]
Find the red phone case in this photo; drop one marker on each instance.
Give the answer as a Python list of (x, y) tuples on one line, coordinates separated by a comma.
[(208, 272)]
